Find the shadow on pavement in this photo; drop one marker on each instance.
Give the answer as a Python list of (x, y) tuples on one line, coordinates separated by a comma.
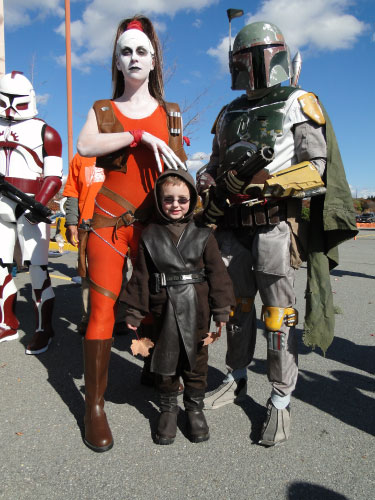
[(64, 358), (340, 273), (344, 351), (309, 491), (342, 398)]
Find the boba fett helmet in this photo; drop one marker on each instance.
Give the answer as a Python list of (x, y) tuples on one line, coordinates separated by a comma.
[(260, 58)]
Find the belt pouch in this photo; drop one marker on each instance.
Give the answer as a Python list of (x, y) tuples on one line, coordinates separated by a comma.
[(273, 215), (260, 216), (247, 216)]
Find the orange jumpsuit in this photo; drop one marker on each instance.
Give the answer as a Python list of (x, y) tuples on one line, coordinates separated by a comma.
[(106, 261)]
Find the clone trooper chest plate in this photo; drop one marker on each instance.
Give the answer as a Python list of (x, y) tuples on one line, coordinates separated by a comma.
[(21, 148), (259, 122)]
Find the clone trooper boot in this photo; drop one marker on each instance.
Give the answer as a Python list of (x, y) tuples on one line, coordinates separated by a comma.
[(44, 299), (8, 295), (276, 428), (230, 391)]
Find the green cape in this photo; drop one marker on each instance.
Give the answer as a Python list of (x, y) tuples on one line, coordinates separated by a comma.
[(332, 221)]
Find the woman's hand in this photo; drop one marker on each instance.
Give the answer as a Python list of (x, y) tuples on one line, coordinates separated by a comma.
[(72, 235), (131, 327), (160, 148)]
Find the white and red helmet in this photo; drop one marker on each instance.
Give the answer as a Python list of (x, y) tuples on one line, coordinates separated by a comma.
[(17, 97)]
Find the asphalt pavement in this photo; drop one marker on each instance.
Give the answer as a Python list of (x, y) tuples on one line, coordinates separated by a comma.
[(330, 454)]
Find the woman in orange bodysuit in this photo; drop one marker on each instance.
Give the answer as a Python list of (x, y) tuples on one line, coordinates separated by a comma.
[(134, 136)]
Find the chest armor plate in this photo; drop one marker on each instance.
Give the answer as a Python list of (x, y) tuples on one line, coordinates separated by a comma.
[(259, 122), (21, 148)]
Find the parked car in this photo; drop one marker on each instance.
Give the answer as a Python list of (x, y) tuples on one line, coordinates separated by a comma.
[(368, 217)]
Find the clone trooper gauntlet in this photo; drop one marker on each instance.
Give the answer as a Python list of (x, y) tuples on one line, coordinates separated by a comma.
[(289, 181)]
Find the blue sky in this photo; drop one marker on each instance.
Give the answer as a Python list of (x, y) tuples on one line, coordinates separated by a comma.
[(335, 37)]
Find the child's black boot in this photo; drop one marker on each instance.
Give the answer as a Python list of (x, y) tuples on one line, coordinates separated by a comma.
[(196, 425), (167, 425)]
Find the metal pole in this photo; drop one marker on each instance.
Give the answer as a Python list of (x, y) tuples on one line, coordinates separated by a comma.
[(2, 40), (69, 79)]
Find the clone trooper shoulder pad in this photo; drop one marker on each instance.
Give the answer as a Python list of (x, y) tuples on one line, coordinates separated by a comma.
[(213, 130), (310, 106)]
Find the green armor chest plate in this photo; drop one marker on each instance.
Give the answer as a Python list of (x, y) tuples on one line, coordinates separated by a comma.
[(259, 122)]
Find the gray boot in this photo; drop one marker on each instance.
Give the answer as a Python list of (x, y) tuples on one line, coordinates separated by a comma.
[(232, 391), (167, 424), (196, 425), (276, 428)]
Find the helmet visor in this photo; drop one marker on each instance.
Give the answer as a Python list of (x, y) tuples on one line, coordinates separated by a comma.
[(253, 66)]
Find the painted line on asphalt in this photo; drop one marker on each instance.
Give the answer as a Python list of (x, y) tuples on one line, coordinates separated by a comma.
[(66, 278), (60, 277)]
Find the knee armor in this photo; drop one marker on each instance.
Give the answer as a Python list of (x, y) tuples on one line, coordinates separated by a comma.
[(275, 317)]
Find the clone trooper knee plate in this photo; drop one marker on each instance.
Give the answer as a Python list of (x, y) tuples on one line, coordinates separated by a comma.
[(8, 294)]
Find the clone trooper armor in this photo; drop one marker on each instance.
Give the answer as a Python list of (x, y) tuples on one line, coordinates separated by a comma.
[(30, 159), (259, 242)]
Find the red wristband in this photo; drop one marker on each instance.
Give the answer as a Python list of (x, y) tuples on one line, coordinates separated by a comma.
[(137, 134)]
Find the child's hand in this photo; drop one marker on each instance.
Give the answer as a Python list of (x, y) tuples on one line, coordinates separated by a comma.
[(220, 324), (131, 327)]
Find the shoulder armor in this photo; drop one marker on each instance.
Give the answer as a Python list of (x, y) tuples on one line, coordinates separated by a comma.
[(310, 106), (52, 144), (213, 130)]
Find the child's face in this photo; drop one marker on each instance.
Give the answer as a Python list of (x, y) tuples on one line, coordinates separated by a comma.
[(175, 200)]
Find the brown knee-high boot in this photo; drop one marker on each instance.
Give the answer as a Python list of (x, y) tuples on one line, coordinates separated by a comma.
[(96, 353)]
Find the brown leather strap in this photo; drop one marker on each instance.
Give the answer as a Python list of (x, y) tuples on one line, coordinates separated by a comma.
[(106, 118), (100, 220), (117, 198), (175, 131), (140, 214), (108, 123), (103, 291), (82, 239)]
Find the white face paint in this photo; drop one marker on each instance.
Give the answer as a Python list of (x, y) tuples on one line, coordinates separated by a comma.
[(134, 56)]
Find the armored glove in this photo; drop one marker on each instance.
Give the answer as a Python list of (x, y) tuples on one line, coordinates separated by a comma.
[(300, 177), (233, 183), (204, 182), (213, 208)]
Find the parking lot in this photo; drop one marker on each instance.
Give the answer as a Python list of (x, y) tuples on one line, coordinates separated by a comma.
[(330, 454)]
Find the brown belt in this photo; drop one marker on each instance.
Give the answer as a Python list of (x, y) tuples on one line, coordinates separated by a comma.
[(99, 221), (129, 217)]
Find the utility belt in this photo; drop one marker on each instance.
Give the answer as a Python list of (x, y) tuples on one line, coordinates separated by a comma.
[(242, 215), (98, 221), (160, 280)]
